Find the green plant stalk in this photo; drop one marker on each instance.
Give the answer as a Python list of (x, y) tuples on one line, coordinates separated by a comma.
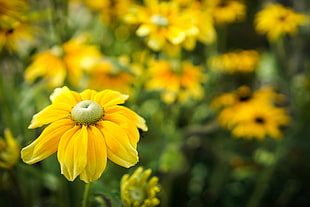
[(87, 194), (263, 181)]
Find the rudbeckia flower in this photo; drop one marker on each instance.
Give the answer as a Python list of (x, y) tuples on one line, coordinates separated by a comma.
[(9, 150), (86, 129), (162, 22), (176, 81), (139, 190), (244, 61), (66, 62), (276, 20), (252, 114), (226, 11)]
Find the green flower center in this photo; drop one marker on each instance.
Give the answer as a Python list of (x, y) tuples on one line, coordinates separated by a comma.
[(159, 20), (87, 112), (136, 194)]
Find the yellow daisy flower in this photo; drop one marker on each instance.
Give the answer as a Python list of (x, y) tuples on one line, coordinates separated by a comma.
[(54, 73), (17, 36), (108, 75), (138, 191), (226, 11), (161, 23), (276, 20), (11, 11), (68, 61), (86, 129), (259, 120), (9, 150), (239, 110), (238, 61), (178, 81)]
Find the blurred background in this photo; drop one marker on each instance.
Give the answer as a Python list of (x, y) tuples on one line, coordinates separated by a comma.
[(224, 87)]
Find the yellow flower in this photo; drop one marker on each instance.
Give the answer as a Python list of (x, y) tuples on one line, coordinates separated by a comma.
[(54, 73), (276, 20), (11, 11), (251, 114), (138, 191), (161, 23), (17, 36), (203, 22), (108, 75), (226, 11), (259, 120), (68, 61), (86, 129), (9, 150), (238, 61), (176, 80)]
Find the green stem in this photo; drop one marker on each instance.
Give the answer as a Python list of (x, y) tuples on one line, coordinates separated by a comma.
[(86, 196), (264, 180)]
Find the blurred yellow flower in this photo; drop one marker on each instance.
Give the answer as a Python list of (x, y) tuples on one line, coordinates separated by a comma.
[(237, 61), (17, 35), (68, 61), (161, 22), (226, 11), (258, 120), (11, 11), (86, 129), (251, 114), (176, 81), (107, 74), (203, 22), (138, 191), (9, 150), (276, 20)]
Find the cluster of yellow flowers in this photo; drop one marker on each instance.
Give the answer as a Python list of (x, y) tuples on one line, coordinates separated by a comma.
[(252, 114), (238, 61)]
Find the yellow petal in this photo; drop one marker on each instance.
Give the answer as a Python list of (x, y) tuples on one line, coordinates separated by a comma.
[(119, 148), (88, 94), (50, 114), (127, 125), (72, 152), (96, 155), (47, 143), (109, 98), (65, 95)]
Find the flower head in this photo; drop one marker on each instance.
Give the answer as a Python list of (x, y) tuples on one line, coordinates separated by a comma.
[(252, 114), (138, 191), (276, 20), (226, 11), (161, 23), (66, 62), (86, 129), (178, 81), (9, 150), (238, 61)]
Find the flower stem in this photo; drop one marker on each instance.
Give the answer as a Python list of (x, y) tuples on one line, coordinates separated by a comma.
[(86, 196)]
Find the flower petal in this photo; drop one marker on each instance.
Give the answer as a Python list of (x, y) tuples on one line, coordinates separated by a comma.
[(96, 155), (49, 114), (72, 152), (108, 98), (88, 94), (66, 96), (119, 147), (47, 143)]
